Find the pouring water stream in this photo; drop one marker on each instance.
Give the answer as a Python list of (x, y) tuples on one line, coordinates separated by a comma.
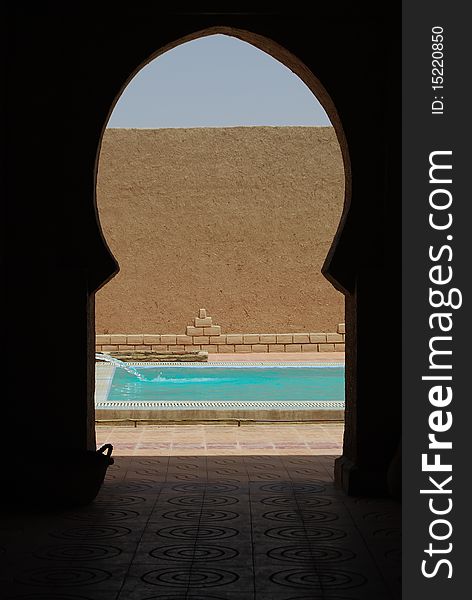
[(120, 364), (133, 371)]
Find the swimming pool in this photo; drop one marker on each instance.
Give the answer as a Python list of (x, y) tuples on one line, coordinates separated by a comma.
[(223, 386)]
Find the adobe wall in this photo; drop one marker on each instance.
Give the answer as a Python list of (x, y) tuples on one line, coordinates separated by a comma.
[(206, 335), (238, 220)]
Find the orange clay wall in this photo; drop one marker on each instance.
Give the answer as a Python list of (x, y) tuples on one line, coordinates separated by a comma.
[(237, 220)]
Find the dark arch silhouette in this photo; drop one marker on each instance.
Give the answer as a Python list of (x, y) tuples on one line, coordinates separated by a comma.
[(278, 52), (64, 77)]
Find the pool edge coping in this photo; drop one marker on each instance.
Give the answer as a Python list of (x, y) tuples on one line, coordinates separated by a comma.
[(229, 364)]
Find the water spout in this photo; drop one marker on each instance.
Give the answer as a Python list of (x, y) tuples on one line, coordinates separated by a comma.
[(120, 364)]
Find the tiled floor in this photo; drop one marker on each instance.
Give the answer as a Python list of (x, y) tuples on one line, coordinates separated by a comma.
[(207, 528), (209, 512), (163, 440)]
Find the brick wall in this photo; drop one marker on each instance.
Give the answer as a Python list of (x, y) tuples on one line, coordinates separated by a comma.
[(205, 335)]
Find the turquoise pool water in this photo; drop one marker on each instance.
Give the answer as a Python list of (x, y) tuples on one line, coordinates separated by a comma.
[(287, 383)]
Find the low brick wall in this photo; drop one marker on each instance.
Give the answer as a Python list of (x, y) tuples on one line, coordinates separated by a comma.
[(204, 335)]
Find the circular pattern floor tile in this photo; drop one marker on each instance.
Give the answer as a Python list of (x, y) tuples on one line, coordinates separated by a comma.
[(192, 552), (230, 481), (296, 488), (322, 580), (294, 502), (227, 471), (210, 488), (264, 467), (78, 552), (195, 577), (306, 554), (200, 500), (193, 532), (288, 515), (200, 515), (302, 533)]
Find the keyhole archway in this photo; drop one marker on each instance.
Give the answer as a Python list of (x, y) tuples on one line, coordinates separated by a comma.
[(339, 267)]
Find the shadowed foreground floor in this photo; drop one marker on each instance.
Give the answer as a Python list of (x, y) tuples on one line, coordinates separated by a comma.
[(208, 528)]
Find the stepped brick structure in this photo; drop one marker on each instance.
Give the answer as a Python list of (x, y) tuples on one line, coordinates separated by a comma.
[(205, 335)]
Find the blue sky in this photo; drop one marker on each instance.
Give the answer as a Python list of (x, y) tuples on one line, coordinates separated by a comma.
[(216, 81)]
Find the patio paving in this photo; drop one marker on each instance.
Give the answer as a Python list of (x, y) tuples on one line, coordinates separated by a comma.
[(209, 440)]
